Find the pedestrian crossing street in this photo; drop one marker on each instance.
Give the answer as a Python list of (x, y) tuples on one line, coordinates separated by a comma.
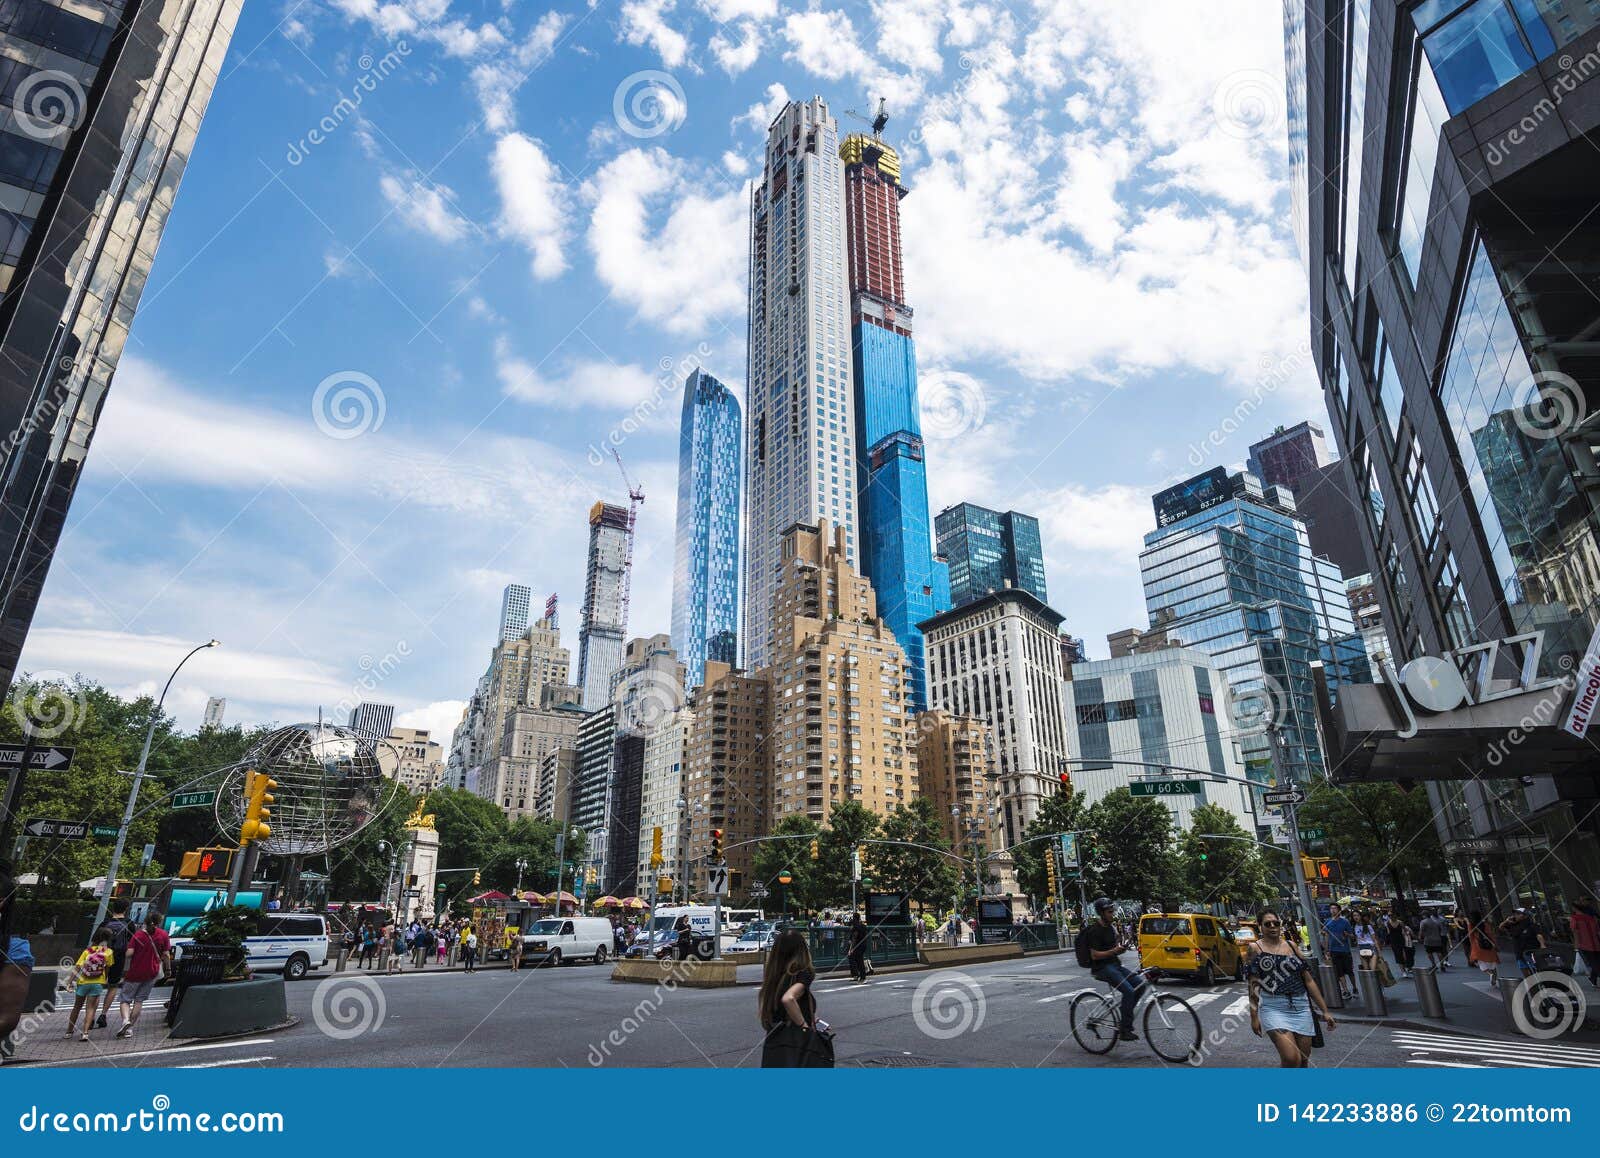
[(1458, 1051)]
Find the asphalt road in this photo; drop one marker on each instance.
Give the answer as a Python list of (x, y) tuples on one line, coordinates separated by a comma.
[(1011, 1013)]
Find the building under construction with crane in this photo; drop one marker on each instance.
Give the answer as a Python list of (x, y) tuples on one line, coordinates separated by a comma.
[(605, 602)]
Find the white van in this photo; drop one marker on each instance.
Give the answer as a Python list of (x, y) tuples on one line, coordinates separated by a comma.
[(289, 943), (558, 939)]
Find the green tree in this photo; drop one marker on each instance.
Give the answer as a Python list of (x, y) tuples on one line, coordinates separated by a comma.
[(470, 828), (773, 857), (1131, 848), (534, 841), (1226, 870), (359, 869), (928, 876), (1378, 830), (848, 825), (1063, 812)]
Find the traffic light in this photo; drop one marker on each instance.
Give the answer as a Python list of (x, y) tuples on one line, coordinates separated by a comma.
[(816, 848), (716, 846), (1204, 853), (206, 864), (258, 788), (1308, 867), (411, 880), (1050, 871), (1066, 779), (1329, 871), (477, 878), (656, 859)]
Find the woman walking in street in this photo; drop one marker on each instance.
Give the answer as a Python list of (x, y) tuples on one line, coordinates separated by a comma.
[(1366, 942), (858, 948), (1461, 937), (788, 1009), (1483, 951), (1586, 936), (1403, 943), (1283, 989)]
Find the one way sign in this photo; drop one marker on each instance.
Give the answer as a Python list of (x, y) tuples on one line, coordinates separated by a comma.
[(47, 758), (61, 829)]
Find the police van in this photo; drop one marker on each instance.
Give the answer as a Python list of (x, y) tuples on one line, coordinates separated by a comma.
[(289, 943)]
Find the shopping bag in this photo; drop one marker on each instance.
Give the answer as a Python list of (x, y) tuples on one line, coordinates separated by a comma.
[(788, 1046)]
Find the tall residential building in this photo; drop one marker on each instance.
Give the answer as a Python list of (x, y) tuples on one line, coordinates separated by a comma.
[(520, 671), (466, 742), (374, 720), (514, 604), (591, 783), (625, 798), (1451, 245), (412, 757), (990, 550), (647, 693), (841, 719), (891, 477), (605, 602), (800, 441), (529, 733), (661, 796), (102, 104), (955, 758), (649, 686), (998, 659), (558, 772), (705, 578), (215, 707), (1288, 454), (726, 775), (1164, 706), (1229, 571)]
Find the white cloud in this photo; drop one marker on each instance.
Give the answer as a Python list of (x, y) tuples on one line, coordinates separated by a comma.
[(424, 207), (760, 115), (736, 53), (532, 201), (496, 81), (644, 23), (822, 43), (438, 719), (579, 384), (735, 164), (727, 11), (666, 246), (908, 32)]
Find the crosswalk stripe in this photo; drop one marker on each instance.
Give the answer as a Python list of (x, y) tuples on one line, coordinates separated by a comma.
[(1200, 999), (1507, 1056), (1062, 996), (1237, 1007), (1455, 1065), (1576, 1053), (232, 1061)]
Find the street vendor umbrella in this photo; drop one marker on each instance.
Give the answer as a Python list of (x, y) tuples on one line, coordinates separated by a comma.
[(561, 898), (607, 902), (491, 895), (535, 898), (636, 903)]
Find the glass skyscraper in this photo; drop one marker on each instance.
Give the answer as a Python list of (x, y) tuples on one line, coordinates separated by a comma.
[(1450, 241), (896, 540), (705, 580), (989, 550), (99, 106), (1229, 572)]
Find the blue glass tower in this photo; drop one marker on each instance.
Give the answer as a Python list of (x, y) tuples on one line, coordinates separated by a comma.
[(990, 550), (705, 582), (891, 476)]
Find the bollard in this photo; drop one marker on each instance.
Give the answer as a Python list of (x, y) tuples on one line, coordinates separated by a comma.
[(1328, 978), (344, 957), (1372, 998), (1427, 980), (1509, 987)]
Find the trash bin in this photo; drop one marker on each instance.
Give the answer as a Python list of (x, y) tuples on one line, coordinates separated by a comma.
[(1328, 979), (1509, 987), (1427, 980), (1372, 999), (199, 965)]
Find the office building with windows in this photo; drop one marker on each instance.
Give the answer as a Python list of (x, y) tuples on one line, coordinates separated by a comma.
[(705, 573), (102, 103), (990, 550), (215, 707), (1446, 166), (800, 422), (372, 720), (605, 602), (1229, 572), (514, 604)]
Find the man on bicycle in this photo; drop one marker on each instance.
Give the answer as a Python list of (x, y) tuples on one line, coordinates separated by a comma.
[(1105, 946)]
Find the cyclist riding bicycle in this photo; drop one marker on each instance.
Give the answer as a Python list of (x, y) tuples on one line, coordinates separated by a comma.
[(1101, 944)]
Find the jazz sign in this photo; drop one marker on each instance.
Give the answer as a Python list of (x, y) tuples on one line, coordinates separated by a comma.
[(1436, 684)]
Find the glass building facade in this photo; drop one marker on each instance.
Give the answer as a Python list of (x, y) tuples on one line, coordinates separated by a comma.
[(705, 581), (990, 550), (1236, 580), (100, 102), (1452, 321)]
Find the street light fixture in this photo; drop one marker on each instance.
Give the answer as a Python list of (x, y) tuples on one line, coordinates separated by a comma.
[(138, 781)]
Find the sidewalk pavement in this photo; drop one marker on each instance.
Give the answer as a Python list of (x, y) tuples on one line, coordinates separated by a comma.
[(42, 1037), (1471, 1004)]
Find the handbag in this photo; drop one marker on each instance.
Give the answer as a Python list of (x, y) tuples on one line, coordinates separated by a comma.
[(1385, 974), (789, 1046), (1317, 1040), (1550, 960)]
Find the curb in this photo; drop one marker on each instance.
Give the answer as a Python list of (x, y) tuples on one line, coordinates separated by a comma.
[(166, 1044)]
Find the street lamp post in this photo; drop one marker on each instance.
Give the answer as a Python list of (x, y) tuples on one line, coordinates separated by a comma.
[(521, 865), (133, 794)]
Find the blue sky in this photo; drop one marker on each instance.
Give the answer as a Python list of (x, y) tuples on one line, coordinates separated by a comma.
[(429, 255)]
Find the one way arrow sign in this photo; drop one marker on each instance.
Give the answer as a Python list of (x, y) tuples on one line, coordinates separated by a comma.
[(61, 829), (47, 758)]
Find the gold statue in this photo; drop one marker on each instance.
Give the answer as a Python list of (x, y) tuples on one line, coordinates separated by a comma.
[(417, 819)]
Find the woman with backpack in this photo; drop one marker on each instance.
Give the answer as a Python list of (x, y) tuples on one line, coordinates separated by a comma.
[(89, 980)]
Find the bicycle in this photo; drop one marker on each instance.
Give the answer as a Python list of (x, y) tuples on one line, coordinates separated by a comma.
[(1171, 1026)]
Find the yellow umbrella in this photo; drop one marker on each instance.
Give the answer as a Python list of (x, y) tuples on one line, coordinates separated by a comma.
[(607, 902), (535, 898), (636, 903)]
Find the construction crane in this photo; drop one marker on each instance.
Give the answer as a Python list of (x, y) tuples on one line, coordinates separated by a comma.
[(635, 501), (877, 122)]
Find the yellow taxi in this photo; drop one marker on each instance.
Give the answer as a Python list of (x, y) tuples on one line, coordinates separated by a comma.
[(1189, 944)]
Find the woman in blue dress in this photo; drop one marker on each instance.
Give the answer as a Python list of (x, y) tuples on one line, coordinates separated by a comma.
[(1283, 990)]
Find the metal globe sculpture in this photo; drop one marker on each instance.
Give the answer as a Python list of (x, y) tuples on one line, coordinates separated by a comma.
[(330, 785)]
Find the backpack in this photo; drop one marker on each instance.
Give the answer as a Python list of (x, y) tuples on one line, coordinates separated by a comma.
[(121, 934), (94, 965), (1080, 946)]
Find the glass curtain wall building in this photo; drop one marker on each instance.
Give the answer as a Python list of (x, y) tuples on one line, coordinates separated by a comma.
[(1452, 156), (1229, 572), (100, 104), (989, 551), (896, 541), (705, 581)]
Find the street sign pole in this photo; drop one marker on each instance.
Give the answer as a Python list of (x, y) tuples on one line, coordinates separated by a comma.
[(1308, 910), (13, 798)]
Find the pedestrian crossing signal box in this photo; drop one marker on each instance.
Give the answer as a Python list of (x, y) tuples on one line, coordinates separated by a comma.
[(207, 864)]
